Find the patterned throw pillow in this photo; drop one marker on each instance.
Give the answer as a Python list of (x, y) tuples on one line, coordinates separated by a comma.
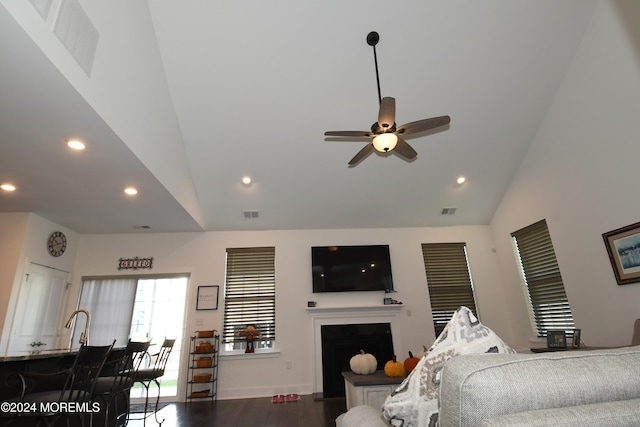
[(415, 401)]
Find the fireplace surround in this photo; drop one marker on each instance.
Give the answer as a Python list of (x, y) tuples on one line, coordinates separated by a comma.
[(321, 316)]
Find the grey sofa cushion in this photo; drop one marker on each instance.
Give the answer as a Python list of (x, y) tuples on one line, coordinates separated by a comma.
[(625, 413), (481, 387), (361, 416)]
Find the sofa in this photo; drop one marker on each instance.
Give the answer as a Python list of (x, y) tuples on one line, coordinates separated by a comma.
[(569, 388)]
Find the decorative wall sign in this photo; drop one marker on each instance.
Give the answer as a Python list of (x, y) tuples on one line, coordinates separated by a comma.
[(207, 297), (623, 247), (135, 263)]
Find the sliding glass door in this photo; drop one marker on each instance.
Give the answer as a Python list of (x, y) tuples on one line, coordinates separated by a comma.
[(141, 309), (158, 312)]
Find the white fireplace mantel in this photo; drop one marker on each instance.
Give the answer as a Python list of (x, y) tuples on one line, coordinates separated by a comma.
[(319, 311), (320, 316)]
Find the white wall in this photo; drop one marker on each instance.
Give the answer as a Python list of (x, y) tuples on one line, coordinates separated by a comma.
[(203, 256), (23, 239), (13, 228), (581, 174)]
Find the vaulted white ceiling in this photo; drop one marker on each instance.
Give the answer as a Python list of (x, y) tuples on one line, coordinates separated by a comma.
[(254, 85)]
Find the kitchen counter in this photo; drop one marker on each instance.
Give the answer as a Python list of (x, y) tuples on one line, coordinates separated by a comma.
[(43, 361), (38, 354), (46, 361)]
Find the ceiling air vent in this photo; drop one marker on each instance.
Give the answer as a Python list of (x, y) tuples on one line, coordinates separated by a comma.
[(77, 33), (250, 214), (448, 211)]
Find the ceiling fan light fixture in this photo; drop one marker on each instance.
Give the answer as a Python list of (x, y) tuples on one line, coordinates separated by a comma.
[(385, 142)]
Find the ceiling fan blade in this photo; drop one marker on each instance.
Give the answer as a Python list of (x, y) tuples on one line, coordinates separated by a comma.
[(361, 154), (422, 125), (405, 150), (348, 133), (387, 113)]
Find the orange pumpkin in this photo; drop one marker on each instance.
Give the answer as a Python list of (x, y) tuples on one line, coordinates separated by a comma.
[(393, 368), (410, 363)]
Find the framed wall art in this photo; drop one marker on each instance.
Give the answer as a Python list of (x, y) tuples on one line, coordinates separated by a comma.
[(623, 247), (556, 339), (207, 297), (576, 338)]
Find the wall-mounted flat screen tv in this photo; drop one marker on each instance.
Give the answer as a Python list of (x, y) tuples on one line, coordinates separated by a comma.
[(351, 268)]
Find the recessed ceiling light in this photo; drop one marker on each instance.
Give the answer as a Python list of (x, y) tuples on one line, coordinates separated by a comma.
[(76, 144), (246, 180), (461, 180), (131, 191), (8, 187)]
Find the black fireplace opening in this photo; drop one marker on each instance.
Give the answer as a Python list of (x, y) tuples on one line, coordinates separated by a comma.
[(341, 342)]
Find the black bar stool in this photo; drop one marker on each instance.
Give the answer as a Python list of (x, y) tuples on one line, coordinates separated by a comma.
[(152, 374), (114, 384), (72, 387)]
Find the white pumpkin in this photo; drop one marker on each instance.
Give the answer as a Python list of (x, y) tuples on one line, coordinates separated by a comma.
[(363, 363)]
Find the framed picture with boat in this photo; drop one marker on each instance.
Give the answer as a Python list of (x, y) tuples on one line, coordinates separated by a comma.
[(623, 248)]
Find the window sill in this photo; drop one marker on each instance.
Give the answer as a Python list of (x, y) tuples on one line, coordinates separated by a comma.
[(257, 355)]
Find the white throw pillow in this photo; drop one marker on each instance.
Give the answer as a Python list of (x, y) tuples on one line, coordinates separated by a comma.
[(415, 401)]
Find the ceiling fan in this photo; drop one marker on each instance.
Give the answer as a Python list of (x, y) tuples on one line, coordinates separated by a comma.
[(386, 135)]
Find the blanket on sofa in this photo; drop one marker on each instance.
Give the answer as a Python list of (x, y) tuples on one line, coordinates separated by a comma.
[(416, 398)]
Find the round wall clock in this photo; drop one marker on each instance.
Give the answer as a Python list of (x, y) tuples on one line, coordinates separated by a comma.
[(57, 243)]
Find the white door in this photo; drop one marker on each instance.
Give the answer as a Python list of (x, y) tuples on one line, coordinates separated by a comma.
[(38, 321)]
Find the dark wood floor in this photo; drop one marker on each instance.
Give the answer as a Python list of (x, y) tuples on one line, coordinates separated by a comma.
[(260, 412)]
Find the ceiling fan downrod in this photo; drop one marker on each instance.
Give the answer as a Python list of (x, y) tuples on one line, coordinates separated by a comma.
[(372, 40)]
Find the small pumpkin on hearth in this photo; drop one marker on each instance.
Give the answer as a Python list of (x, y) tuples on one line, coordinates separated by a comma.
[(363, 363), (393, 368), (410, 363), (424, 351)]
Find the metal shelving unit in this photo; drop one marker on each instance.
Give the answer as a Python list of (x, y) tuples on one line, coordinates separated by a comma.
[(202, 372)]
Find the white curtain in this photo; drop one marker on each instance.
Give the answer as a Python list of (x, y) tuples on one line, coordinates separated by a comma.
[(110, 302)]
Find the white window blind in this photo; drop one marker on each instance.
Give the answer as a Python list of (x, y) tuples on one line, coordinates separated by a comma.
[(448, 280), (250, 293), (548, 304)]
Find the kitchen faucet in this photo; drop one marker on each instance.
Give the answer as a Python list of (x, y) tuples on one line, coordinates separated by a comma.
[(84, 336)]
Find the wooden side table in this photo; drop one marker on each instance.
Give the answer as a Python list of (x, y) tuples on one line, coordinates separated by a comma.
[(371, 390)]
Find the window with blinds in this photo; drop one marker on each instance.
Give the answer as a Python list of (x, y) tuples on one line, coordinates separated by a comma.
[(548, 304), (249, 297), (448, 280)]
